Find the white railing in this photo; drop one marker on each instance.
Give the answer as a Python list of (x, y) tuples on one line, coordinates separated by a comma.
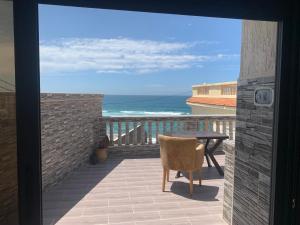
[(144, 130)]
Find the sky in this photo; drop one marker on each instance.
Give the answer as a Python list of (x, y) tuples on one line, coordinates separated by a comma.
[(133, 53)]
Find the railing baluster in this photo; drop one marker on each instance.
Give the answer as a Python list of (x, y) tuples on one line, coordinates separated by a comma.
[(224, 127), (164, 126), (233, 128), (127, 133), (202, 125), (157, 131), (178, 125), (211, 125), (171, 126), (150, 132), (142, 132), (230, 130), (218, 126), (190, 125), (206, 122), (196, 125), (134, 132), (199, 125), (111, 132), (119, 133)]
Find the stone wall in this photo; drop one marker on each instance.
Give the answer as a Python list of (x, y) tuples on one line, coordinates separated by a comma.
[(253, 156), (70, 131), (229, 149), (143, 151), (254, 126), (134, 151)]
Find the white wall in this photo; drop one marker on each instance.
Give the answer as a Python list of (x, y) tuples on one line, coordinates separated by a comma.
[(198, 109), (258, 53)]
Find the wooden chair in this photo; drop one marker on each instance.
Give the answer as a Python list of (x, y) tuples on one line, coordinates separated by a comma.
[(181, 154)]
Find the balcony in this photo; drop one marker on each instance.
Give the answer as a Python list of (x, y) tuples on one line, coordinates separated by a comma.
[(126, 189)]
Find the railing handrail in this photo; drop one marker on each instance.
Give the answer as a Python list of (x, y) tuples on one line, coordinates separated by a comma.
[(167, 117)]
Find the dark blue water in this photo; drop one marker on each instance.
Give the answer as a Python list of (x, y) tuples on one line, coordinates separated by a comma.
[(145, 105), (130, 105)]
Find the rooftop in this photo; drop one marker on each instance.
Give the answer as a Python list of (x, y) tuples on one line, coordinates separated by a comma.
[(216, 84), (229, 102), (128, 192)]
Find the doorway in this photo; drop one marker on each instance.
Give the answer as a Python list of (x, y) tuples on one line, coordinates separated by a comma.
[(19, 55)]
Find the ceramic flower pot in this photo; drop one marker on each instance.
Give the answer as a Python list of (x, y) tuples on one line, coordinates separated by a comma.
[(101, 154)]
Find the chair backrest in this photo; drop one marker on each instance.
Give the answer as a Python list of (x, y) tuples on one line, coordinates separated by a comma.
[(178, 153)]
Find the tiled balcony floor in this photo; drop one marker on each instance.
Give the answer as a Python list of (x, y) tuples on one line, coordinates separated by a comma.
[(128, 192)]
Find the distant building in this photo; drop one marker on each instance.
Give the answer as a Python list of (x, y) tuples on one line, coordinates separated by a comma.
[(214, 98)]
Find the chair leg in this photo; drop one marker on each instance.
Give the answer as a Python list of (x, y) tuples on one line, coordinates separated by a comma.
[(168, 175), (164, 179), (200, 182), (191, 182)]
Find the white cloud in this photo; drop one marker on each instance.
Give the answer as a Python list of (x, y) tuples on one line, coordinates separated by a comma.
[(227, 56), (119, 55)]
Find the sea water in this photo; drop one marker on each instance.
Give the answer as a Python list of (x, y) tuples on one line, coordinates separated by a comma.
[(145, 105)]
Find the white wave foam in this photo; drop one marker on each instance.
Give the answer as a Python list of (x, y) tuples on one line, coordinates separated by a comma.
[(150, 113), (164, 113)]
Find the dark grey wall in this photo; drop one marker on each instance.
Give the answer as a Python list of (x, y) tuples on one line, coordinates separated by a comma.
[(253, 156), (254, 126), (229, 149), (70, 132)]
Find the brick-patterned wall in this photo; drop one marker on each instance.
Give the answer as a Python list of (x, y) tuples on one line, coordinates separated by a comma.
[(143, 151), (254, 128), (70, 131), (229, 149), (134, 151), (8, 159), (253, 155)]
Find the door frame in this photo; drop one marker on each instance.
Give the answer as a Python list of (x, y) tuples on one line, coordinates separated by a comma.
[(286, 121)]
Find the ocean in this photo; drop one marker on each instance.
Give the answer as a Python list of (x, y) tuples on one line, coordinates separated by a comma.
[(145, 105)]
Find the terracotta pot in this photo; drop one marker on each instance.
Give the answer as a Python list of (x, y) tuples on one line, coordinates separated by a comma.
[(101, 154)]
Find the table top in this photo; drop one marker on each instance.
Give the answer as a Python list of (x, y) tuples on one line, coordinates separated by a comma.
[(197, 134)]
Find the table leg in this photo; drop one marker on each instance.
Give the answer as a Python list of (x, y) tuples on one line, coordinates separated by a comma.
[(218, 167), (206, 152), (207, 160), (210, 152)]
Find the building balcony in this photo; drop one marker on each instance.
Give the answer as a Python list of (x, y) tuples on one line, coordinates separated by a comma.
[(128, 191), (126, 188)]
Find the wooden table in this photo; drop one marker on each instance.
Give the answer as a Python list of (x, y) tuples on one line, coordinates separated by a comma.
[(209, 150)]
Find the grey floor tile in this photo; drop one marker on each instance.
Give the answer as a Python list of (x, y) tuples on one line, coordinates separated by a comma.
[(129, 193)]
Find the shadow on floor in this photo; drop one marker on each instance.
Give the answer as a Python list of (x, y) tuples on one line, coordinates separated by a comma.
[(200, 193), (59, 200)]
